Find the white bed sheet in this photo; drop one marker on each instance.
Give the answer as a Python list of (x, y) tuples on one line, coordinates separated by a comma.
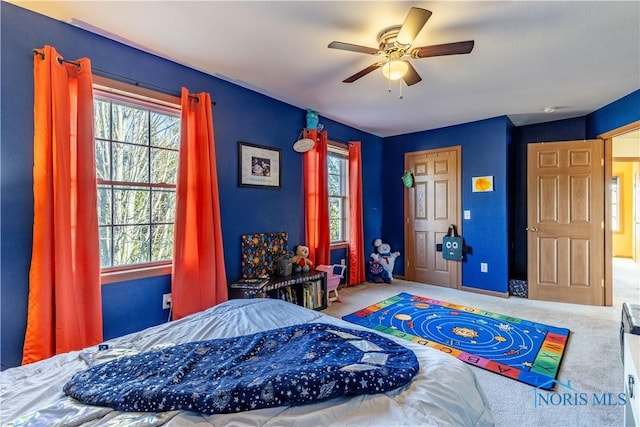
[(444, 392)]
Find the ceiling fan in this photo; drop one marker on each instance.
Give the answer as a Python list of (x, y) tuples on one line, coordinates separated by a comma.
[(395, 45)]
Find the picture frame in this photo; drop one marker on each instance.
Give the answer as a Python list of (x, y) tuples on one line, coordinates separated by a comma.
[(482, 184), (259, 166)]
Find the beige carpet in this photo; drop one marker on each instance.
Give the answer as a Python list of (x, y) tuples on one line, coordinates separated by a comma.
[(592, 362)]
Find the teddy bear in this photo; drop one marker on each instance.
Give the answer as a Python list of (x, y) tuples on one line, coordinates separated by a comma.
[(301, 261), (383, 262)]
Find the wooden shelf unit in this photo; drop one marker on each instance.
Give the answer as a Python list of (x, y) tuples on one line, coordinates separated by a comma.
[(305, 289)]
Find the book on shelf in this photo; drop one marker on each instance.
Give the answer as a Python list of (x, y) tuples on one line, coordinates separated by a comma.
[(257, 283), (312, 294)]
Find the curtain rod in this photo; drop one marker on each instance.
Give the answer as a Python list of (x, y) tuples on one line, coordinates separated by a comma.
[(119, 77)]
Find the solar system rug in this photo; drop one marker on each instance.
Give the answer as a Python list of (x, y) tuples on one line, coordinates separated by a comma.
[(516, 348)]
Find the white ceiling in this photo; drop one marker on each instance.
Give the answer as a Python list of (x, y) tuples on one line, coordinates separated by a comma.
[(576, 56)]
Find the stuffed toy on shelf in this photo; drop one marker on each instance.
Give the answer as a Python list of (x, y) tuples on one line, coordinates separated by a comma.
[(301, 261)]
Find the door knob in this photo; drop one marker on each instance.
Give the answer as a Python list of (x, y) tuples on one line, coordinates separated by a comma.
[(534, 229)]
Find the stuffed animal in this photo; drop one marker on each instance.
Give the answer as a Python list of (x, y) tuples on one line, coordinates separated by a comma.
[(312, 119), (301, 261), (385, 259), (377, 274)]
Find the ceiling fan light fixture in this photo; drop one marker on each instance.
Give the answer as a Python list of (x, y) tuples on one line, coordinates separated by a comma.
[(395, 69)]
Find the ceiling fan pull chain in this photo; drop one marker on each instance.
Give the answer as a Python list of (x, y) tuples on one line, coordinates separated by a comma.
[(400, 84)]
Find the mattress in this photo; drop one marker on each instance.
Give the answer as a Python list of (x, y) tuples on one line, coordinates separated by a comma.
[(444, 391)]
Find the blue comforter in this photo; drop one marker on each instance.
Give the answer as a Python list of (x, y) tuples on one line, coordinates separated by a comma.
[(290, 366)]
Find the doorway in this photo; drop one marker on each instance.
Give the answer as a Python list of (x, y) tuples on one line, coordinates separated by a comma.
[(621, 145), (625, 176), (625, 202)]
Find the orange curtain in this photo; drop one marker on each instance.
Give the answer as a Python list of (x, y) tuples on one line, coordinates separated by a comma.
[(65, 304), (199, 277), (316, 199), (356, 238)]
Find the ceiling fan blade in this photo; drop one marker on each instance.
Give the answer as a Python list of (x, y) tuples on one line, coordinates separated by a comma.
[(413, 23), (411, 77), (353, 48), (363, 73), (443, 49)]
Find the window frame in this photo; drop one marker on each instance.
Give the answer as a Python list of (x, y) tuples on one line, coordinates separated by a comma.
[(114, 89), (341, 151)]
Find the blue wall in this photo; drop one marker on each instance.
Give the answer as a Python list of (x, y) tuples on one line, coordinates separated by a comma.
[(614, 115), (239, 115), (485, 147)]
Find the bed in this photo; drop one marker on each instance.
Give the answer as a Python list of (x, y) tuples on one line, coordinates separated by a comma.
[(444, 391)]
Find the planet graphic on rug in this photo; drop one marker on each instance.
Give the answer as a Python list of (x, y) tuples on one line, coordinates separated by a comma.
[(465, 332)]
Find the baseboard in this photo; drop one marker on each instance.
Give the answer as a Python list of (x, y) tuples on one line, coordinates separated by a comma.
[(469, 289), (486, 292)]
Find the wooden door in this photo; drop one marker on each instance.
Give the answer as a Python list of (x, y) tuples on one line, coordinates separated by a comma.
[(431, 205), (565, 222)]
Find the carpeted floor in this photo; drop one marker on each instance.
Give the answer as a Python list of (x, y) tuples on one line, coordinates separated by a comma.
[(592, 366)]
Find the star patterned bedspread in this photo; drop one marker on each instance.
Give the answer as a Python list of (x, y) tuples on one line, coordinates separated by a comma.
[(290, 366)]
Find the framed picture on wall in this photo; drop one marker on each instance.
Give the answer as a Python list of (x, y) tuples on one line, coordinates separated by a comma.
[(482, 184), (258, 166)]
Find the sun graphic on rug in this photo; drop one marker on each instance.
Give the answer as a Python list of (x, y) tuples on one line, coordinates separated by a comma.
[(465, 332)]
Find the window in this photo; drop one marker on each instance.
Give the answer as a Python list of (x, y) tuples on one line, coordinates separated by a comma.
[(137, 145), (337, 175), (615, 203)]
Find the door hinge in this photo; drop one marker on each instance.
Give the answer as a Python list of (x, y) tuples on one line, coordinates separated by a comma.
[(407, 263), (602, 225), (603, 283), (407, 220), (601, 162)]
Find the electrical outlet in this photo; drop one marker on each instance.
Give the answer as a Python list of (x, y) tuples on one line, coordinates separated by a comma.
[(343, 262), (467, 214), (484, 267), (166, 301)]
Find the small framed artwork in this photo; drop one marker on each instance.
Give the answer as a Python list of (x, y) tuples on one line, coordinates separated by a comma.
[(481, 184), (258, 166)]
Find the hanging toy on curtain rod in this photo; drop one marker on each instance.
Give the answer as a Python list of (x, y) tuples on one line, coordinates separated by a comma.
[(304, 143), (313, 120)]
